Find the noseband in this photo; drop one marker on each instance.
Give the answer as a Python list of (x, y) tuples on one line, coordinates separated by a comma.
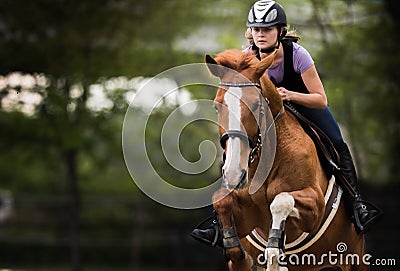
[(255, 144)]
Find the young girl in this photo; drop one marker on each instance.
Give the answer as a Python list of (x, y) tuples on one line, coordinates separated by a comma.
[(297, 80)]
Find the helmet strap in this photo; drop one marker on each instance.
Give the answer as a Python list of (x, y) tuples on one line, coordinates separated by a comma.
[(270, 49)]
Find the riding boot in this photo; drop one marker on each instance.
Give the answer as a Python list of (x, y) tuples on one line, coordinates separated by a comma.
[(364, 213), (212, 234)]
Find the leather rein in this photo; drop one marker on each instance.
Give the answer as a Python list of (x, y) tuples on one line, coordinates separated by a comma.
[(257, 142)]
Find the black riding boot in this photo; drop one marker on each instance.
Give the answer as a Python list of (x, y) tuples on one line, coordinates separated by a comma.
[(212, 234), (364, 213)]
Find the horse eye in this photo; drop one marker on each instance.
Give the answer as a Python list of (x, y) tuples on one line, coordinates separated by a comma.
[(217, 106), (255, 107)]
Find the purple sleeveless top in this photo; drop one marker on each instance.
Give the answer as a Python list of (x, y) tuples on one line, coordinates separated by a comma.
[(302, 60)]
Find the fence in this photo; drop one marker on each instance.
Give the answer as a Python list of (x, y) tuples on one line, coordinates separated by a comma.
[(136, 233)]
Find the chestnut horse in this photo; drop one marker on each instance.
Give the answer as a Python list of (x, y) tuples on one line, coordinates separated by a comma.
[(279, 222)]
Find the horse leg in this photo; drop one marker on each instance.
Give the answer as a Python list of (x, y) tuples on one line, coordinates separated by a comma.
[(281, 207), (239, 259)]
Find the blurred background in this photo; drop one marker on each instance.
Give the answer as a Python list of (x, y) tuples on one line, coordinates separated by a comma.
[(68, 70)]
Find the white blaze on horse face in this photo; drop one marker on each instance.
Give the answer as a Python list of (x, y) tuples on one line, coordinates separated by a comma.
[(231, 168), (232, 99)]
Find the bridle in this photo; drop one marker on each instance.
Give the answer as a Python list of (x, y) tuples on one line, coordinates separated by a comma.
[(254, 143)]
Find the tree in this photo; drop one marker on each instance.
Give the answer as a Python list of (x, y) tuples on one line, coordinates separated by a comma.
[(72, 45), (359, 77)]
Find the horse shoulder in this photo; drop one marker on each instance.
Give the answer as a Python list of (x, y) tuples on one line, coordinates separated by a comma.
[(296, 164), (295, 146)]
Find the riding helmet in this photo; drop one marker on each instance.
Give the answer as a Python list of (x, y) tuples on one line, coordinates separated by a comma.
[(266, 13)]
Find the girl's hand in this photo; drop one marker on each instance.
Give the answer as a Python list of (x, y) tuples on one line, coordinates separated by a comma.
[(285, 94)]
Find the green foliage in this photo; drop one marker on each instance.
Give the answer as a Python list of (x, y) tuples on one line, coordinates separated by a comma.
[(190, 138), (85, 40), (67, 149), (363, 88), (62, 146)]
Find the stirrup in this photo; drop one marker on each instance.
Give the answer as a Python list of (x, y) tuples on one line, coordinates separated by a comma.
[(217, 239), (362, 227)]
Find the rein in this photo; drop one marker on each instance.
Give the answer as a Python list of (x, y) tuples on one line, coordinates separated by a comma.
[(244, 84), (255, 145)]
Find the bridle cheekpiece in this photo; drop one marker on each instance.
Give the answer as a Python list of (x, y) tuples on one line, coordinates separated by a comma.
[(255, 144)]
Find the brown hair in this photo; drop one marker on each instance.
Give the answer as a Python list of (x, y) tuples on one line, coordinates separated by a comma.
[(292, 35)]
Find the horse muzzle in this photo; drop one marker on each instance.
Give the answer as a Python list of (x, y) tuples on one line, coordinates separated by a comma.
[(233, 181)]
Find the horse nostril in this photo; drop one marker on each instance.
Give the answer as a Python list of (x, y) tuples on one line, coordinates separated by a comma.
[(234, 183), (242, 181), (243, 175)]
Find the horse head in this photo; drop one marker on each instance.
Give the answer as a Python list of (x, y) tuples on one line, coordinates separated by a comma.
[(240, 103)]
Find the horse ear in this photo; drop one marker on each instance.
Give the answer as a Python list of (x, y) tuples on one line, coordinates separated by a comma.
[(212, 65), (264, 64)]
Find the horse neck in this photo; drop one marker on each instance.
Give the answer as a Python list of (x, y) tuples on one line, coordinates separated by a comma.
[(286, 126), (271, 94), (276, 107)]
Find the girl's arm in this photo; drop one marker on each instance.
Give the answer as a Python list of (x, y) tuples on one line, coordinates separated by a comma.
[(316, 99)]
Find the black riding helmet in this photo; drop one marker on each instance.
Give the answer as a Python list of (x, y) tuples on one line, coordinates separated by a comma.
[(266, 13)]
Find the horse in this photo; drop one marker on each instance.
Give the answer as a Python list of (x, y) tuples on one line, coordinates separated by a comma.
[(264, 216)]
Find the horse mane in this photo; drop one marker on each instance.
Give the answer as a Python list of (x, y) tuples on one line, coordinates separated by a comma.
[(235, 59)]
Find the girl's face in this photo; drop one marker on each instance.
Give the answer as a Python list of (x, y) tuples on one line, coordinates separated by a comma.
[(265, 37)]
